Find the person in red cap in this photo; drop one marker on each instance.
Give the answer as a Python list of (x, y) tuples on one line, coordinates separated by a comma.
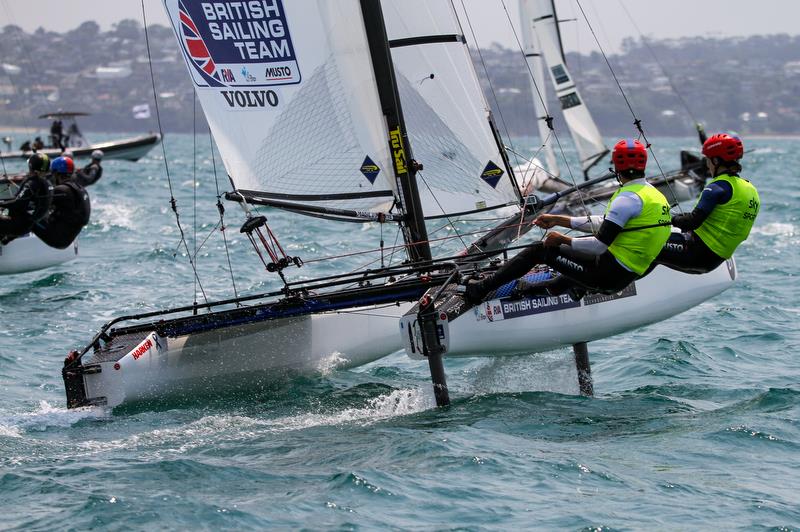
[(626, 239), (722, 217)]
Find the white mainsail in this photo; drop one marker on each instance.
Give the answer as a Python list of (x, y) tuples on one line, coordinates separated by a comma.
[(542, 15), (446, 115), (289, 92)]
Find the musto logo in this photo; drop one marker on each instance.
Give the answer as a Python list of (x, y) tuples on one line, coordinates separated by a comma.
[(237, 43)]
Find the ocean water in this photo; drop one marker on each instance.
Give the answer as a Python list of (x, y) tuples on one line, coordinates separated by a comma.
[(695, 422)]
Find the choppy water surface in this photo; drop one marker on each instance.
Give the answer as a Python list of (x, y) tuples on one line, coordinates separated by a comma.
[(695, 422)]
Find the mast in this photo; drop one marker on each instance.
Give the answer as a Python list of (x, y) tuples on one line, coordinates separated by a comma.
[(405, 168)]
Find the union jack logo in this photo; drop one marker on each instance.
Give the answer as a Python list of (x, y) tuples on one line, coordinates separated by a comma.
[(195, 47)]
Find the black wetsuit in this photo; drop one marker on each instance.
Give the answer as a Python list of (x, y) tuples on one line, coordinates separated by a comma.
[(89, 174), (31, 203), (588, 273), (69, 214)]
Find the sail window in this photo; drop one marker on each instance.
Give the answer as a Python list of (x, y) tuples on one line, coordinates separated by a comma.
[(559, 74), (570, 100)]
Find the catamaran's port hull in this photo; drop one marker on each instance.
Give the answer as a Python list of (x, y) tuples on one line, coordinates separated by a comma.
[(131, 149), (243, 356), (28, 253), (510, 326)]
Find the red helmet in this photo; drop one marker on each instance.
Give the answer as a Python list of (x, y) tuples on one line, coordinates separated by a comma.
[(726, 147), (629, 154)]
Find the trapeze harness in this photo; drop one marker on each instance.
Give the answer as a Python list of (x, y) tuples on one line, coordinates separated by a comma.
[(631, 248), (721, 220), (30, 204), (69, 214)]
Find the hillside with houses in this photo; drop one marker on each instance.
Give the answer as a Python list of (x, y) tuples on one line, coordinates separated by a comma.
[(748, 85)]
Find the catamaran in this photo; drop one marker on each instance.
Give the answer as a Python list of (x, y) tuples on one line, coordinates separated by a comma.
[(352, 111)]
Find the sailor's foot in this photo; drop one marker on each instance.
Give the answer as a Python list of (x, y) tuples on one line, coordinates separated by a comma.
[(524, 288), (577, 292), (473, 291)]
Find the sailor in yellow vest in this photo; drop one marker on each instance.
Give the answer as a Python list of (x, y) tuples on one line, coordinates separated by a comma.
[(722, 217), (626, 239)]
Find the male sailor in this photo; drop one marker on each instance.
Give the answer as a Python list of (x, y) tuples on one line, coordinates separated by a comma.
[(30, 202), (70, 210), (722, 217), (626, 239), (92, 172)]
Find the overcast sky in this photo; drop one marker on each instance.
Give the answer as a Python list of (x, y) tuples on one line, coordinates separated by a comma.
[(656, 18)]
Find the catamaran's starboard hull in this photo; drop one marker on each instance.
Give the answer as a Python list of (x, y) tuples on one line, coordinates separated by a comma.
[(509, 326), (28, 253), (131, 149)]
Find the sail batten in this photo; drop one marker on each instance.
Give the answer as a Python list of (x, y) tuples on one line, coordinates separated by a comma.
[(446, 115)]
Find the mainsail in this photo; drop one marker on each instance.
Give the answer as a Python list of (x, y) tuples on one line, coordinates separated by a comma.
[(446, 115), (289, 92), (589, 143)]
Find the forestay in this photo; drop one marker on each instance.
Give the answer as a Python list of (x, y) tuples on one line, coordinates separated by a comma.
[(584, 131), (290, 95), (446, 115)]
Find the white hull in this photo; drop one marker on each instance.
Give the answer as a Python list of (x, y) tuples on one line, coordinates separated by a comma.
[(507, 326), (130, 149), (28, 253), (243, 356)]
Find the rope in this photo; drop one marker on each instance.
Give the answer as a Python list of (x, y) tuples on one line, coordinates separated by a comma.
[(449, 220), (548, 119), (403, 246), (655, 57), (636, 121), (221, 210), (172, 202)]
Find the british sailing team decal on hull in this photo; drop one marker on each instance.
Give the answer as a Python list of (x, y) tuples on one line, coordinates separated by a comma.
[(241, 47)]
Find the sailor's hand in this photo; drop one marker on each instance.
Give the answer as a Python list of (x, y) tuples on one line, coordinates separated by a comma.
[(546, 221), (555, 239)]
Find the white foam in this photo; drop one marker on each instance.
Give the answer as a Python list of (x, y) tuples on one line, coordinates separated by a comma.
[(544, 372), (397, 403), (109, 215), (331, 363), (46, 416), (775, 229)]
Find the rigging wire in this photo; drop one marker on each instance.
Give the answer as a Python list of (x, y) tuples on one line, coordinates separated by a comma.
[(172, 201), (646, 43), (636, 121), (548, 119), (449, 220)]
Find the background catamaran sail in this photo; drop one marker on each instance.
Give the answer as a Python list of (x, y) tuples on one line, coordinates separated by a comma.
[(540, 16)]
